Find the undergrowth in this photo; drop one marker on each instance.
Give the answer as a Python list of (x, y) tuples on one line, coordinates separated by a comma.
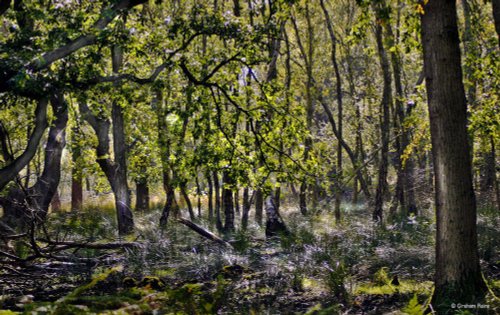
[(320, 268)]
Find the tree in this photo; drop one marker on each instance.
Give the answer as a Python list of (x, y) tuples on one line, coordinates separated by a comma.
[(458, 276)]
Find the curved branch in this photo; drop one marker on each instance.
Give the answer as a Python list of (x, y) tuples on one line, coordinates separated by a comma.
[(9, 172)]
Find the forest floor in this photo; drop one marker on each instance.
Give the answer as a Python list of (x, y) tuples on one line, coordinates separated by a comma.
[(321, 268)]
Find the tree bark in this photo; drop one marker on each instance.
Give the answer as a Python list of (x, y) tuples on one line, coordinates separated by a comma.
[(164, 145), (496, 17), (121, 189), (210, 197), (142, 194), (275, 226), (76, 171), (259, 206), (246, 208), (339, 95), (227, 202), (218, 220), (32, 204), (185, 195), (9, 172), (382, 185), (458, 276)]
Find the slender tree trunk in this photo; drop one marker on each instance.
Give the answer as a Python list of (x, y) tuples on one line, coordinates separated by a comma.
[(458, 276), (236, 199), (76, 172), (142, 194), (218, 220), (496, 17), (259, 206), (495, 179), (185, 195), (164, 146), (198, 195), (340, 117), (398, 121), (9, 172), (210, 198), (246, 208), (227, 202), (277, 198), (384, 127)]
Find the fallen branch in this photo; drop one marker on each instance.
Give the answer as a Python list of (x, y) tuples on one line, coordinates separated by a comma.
[(204, 232), (62, 245)]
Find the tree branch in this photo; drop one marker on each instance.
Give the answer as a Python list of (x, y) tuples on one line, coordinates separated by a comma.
[(9, 172)]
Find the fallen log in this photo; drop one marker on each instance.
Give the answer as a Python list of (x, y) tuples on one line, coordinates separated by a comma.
[(203, 232), (61, 245)]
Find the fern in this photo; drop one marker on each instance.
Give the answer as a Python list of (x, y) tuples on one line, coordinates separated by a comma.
[(413, 307)]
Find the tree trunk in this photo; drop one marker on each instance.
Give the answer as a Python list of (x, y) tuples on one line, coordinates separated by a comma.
[(259, 206), (236, 200), (32, 204), (198, 194), (384, 128), (274, 223), (495, 179), (76, 172), (121, 190), (189, 205), (277, 197), (227, 202), (458, 277), (496, 17), (210, 197), (338, 92), (402, 140), (218, 220), (9, 172), (142, 195), (55, 204), (246, 208)]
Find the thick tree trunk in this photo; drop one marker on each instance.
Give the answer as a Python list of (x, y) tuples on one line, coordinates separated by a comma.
[(32, 204), (55, 204), (384, 127), (275, 226), (458, 276), (120, 184)]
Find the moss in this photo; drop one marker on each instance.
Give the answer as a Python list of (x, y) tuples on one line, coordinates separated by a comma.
[(404, 287), (151, 282)]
